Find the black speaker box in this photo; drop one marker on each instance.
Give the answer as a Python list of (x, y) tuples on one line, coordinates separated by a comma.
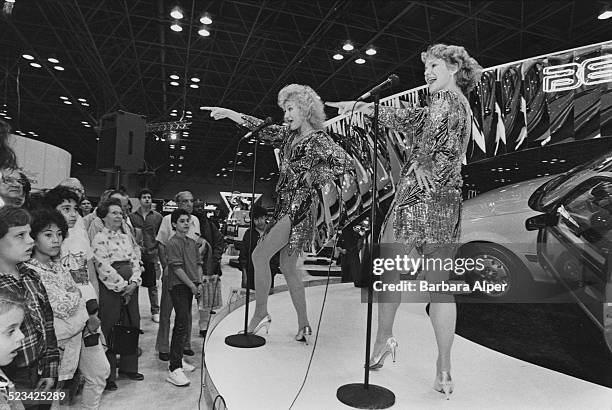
[(122, 142)]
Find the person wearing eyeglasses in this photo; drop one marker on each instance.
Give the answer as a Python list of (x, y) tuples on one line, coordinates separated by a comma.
[(11, 188)]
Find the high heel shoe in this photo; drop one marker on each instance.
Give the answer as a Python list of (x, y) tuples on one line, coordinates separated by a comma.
[(263, 323), (377, 361), (303, 334), (444, 384)]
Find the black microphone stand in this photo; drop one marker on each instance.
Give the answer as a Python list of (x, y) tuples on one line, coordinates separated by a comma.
[(248, 340), (365, 395)]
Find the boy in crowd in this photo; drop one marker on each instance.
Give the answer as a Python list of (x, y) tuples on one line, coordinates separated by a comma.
[(184, 273), (149, 221), (36, 364)]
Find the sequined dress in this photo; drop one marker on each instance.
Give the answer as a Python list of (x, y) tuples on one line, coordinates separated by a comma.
[(315, 153), (439, 133)]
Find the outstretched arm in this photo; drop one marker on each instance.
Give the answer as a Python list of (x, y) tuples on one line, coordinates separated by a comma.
[(273, 133)]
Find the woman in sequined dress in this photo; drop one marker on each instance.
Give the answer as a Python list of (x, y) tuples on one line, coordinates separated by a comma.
[(425, 215), (310, 159)]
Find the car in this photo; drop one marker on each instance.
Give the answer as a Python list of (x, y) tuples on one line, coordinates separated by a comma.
[(574, 236), (493, 231)]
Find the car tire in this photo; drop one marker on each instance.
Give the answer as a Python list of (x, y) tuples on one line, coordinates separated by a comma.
[(501, 267)]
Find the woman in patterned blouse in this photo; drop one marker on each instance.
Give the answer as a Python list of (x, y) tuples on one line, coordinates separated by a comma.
[(426, 211), (117, 261), (310, 159)]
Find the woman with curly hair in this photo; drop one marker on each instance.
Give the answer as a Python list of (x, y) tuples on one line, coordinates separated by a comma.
[(425, 215), (8, 160), (310, 158)]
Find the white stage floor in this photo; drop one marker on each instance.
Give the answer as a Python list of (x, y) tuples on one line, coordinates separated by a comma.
[(269, 377)]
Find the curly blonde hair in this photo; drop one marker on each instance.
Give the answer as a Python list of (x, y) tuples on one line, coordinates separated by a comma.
[(469, 71), (308, 101)]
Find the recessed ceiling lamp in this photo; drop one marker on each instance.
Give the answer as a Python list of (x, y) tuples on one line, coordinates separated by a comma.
[(67, 102), (176, 13), (85, 104), (173, 114), (27, 56), (203, 32), (174, 77), (338, 56), (348, 46), (194, 86), (63, 98), (205, 19), (82, 99), (59, 68), (360, 61), (371, 51), (195, 79), (174, 83), (53, 60), (176, 27), (35, 65), (605, 13)]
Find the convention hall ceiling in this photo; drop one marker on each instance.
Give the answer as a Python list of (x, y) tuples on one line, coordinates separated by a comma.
[(120, 54)]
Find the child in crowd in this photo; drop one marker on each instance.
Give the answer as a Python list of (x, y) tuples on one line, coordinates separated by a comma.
[(12, 311), (184, 274), (71, 317), (36, 364)]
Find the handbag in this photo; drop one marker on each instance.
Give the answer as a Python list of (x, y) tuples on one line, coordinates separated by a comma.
[(123, 338)]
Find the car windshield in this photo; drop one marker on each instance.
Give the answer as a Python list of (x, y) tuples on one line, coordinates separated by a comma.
[(562, 184)]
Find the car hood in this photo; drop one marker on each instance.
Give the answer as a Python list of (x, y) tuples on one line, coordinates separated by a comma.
[(510, 199)]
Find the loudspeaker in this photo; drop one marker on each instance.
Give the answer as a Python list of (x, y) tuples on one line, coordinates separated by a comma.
[(122, 142)]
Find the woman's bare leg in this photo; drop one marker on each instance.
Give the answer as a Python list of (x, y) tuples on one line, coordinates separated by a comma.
[(274, 241), (295, 284), (443, 315), (388, 302)]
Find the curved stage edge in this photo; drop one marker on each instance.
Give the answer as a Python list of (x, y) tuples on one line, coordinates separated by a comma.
[(269, 377)]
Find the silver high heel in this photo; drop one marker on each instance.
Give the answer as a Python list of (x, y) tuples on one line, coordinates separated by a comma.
[(303, 334), (444, 384), (263, 323), (377, 361)]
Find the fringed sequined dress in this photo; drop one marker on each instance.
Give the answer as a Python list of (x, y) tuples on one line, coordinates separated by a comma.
[(315, 153), (439, 131)]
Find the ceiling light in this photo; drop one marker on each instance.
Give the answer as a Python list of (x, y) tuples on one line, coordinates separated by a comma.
[(360, 61), (205, 20), (63, 98), (347, 46), (183, 147), (59, 68), (174, 77), (82, 99), (178, 172), (67, 102), (218, 175), (195, 79), (173, 135), (174, 83), (194, 86), (35, 65), (338, 56), (85, 104), (370, 51), (86, 125), (27, 57), (171, 146), (188, 112), (203, 32), (83, 122), (225, 175), (176, 13), (180, 165), (605, 13), (176, 27), (78, 163), (181, 157), (173, 114), (53, 60), (8, 118)]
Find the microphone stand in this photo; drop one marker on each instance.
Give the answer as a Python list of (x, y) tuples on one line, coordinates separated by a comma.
[(248, 340), (365, 395)]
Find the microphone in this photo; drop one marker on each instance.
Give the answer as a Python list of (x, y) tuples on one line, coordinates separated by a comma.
[(267, 122), (391, 81)]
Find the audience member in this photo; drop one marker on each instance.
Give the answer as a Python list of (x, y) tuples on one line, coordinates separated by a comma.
[(149, 221), (85, 207), (36, 364), (12, 311), (117, 261)]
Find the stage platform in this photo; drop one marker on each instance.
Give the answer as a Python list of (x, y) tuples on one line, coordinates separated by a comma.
[(269, 377)]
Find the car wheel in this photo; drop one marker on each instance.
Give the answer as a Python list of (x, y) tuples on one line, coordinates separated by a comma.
[(501, 267)]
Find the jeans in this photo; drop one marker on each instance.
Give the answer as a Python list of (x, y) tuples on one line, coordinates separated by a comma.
[(95, 369), (162, 345), (181, 299)]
